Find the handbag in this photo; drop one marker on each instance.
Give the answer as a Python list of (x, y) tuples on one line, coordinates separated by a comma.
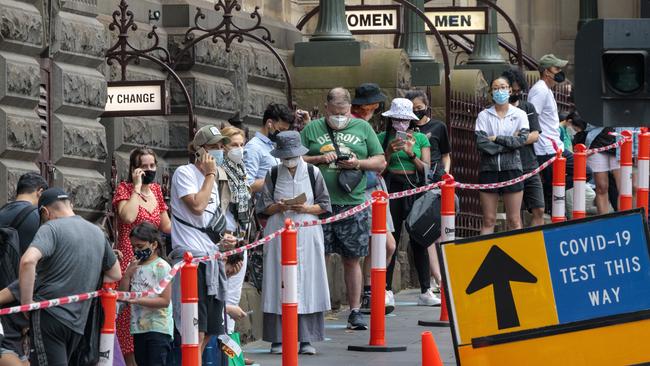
[(87, 351), (348, 179), (215, 228)]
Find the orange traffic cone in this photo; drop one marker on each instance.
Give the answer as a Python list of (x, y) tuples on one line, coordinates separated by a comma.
[(430, 355), (444, 316)]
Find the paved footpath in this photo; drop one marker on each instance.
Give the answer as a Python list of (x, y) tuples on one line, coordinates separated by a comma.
[(401, 329)]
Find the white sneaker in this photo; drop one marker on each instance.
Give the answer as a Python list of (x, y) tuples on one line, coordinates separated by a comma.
[(428, 299), (390, 302)]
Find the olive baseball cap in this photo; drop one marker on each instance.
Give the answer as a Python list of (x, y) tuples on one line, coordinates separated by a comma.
[(551, 60), (206, 135)]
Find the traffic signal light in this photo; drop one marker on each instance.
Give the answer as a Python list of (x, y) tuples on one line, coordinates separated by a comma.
[(612, 72)]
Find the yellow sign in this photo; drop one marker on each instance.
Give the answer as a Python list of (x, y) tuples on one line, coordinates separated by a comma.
[(575, 293), (476, 313)]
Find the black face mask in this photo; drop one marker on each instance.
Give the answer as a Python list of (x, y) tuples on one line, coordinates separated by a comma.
[(149, 176), (514, 98), (142, 255), (420, 114), (273, 135), (559, 77)]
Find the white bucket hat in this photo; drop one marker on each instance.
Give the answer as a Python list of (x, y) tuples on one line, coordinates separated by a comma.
[(400, 108)]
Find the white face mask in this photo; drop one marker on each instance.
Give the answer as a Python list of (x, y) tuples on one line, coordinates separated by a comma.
[(291, 162), (236, 154), (338, 122)]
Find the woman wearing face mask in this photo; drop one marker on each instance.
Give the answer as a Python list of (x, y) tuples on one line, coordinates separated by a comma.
[(295, 190), (152, 325), (501, 130), (235, 201), (408, 155), (137, 200)]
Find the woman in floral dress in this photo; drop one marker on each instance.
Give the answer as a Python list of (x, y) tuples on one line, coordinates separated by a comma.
[(137, 200)]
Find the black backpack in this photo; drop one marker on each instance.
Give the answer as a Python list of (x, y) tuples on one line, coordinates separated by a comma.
[(10, 252), (423, 223)]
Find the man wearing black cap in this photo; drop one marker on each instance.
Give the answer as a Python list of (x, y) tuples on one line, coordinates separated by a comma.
[(71, 254)]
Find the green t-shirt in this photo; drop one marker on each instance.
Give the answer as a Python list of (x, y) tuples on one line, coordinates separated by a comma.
[(421, 141), (358, 137), (144, 319)]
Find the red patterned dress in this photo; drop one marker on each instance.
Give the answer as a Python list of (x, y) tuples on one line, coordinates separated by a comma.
[(124, 192)]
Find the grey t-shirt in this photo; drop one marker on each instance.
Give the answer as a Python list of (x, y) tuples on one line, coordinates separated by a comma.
[(75, 255)]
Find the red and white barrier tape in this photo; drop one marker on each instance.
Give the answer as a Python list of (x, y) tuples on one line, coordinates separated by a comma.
[(219, 255), (508, 182), (49, 303)]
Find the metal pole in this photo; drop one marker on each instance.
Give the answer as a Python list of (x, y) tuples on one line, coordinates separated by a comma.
[(414, 39), (486, 46), (332, 24)]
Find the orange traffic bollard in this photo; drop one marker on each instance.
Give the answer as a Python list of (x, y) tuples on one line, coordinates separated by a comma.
[(289, 295), (558, 211), (378, 279), (430, 354), (190, 348), (643, 179), (579, 181), (108, 299), (448, 233), (625, 194)]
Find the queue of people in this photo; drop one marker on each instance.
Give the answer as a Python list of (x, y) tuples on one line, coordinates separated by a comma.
[(234, 185)]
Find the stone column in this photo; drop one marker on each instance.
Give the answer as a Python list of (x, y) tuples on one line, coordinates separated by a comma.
[(332, 25), (486, 46), (332, 44), (588, 11), (414, 40)]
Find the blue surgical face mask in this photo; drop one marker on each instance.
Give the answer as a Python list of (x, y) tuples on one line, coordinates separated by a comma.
[(501, 96), (217, 155)]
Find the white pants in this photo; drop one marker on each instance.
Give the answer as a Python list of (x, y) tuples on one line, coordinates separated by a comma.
[(233, 291)]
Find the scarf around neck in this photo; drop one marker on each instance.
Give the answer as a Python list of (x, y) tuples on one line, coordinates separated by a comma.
[(239, 189)]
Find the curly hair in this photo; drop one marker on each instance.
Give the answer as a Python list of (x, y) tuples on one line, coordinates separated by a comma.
[(515, 75)]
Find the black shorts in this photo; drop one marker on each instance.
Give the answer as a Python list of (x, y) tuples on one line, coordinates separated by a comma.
[(14, 326), (533, 193), (52, 343), (348, 237), (210, 308), (502, 176)]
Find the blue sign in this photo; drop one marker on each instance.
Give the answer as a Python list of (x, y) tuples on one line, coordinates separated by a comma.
[(599, 268)]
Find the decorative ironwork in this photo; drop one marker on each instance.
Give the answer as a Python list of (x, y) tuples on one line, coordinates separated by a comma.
[(227, 31), (123, 52)]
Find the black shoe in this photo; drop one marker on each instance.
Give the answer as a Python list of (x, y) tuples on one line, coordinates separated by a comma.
[(365, 303), (355, 321)]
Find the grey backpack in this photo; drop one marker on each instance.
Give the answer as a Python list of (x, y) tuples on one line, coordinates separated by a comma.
[(423, 222)]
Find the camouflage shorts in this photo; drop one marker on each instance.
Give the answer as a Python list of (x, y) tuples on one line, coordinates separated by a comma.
[(348, 237)]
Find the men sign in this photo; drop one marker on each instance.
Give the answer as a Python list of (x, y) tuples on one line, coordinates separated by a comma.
[(135, 98), (575, 292), (459, 19), (368, 19)]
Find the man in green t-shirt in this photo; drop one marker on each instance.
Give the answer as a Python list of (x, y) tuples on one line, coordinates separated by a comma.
[(359, 149)]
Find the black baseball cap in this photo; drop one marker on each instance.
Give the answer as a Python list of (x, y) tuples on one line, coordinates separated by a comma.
[(52, 195)]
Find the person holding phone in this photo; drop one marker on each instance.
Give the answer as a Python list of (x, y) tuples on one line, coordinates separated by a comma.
[(235, 203), (408, 155), (292, 179), (195, 203), (137, 200)]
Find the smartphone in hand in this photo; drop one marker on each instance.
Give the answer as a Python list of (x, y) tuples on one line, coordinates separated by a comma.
[(200, 153), (402, 135)]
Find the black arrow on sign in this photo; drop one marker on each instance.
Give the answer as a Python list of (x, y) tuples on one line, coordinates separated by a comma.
[(499, 269)]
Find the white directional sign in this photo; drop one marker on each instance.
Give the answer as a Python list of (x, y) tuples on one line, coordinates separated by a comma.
[(368, 19), (135, 98)]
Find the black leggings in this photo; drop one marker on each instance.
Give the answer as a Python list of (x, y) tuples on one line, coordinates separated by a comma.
[(399, 209)]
